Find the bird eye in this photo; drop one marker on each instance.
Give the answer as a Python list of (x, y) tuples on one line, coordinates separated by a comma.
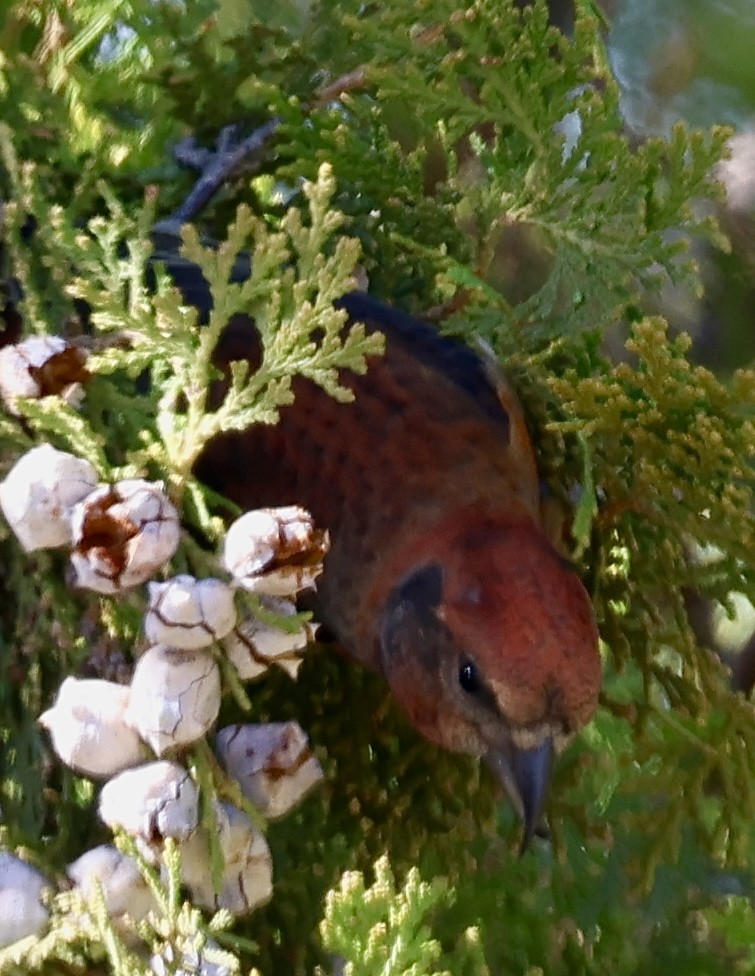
[(469, 678)]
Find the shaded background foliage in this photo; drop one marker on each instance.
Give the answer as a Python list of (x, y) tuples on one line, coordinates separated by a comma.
[(473, 198)]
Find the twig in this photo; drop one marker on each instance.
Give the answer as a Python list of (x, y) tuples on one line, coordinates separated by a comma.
[(215, 168)]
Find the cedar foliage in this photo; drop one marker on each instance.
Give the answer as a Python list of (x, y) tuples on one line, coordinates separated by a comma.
[(439, 153)]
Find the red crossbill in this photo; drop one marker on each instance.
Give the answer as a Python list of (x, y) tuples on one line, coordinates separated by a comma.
[(439, 575)]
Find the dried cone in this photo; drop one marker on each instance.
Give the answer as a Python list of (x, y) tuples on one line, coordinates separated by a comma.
[(151, 802), (123, 534), (21, 910), (248, 875), (40, 493), (255, 644), (189, 613), (193, 960), (88, 727), (124, 890), (40, 366), (174, 698), (273, 764), (275, 551)]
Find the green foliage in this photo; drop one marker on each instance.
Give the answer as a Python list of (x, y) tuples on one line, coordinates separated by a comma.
[(175, 933), (432, 136), (674, 419), (379, 930)]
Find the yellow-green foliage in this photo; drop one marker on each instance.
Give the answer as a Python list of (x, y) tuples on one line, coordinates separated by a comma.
[(429, 136), (381, 930)]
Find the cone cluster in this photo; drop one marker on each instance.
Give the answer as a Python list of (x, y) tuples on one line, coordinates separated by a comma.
[(137, 737)]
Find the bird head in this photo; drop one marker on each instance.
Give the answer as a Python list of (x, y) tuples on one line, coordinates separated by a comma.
[(489, 644)]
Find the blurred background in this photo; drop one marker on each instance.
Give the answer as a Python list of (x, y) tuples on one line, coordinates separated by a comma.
[(695, 60)]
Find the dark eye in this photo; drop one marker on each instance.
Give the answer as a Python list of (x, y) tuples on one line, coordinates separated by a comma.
[(469, 679)]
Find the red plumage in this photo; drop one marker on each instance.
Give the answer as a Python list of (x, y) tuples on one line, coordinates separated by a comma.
[(428, 485)]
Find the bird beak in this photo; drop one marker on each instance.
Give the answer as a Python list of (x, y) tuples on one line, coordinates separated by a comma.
[(525, 774)]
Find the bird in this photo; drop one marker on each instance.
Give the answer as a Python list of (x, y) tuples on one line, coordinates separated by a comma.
[(440, 575)]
